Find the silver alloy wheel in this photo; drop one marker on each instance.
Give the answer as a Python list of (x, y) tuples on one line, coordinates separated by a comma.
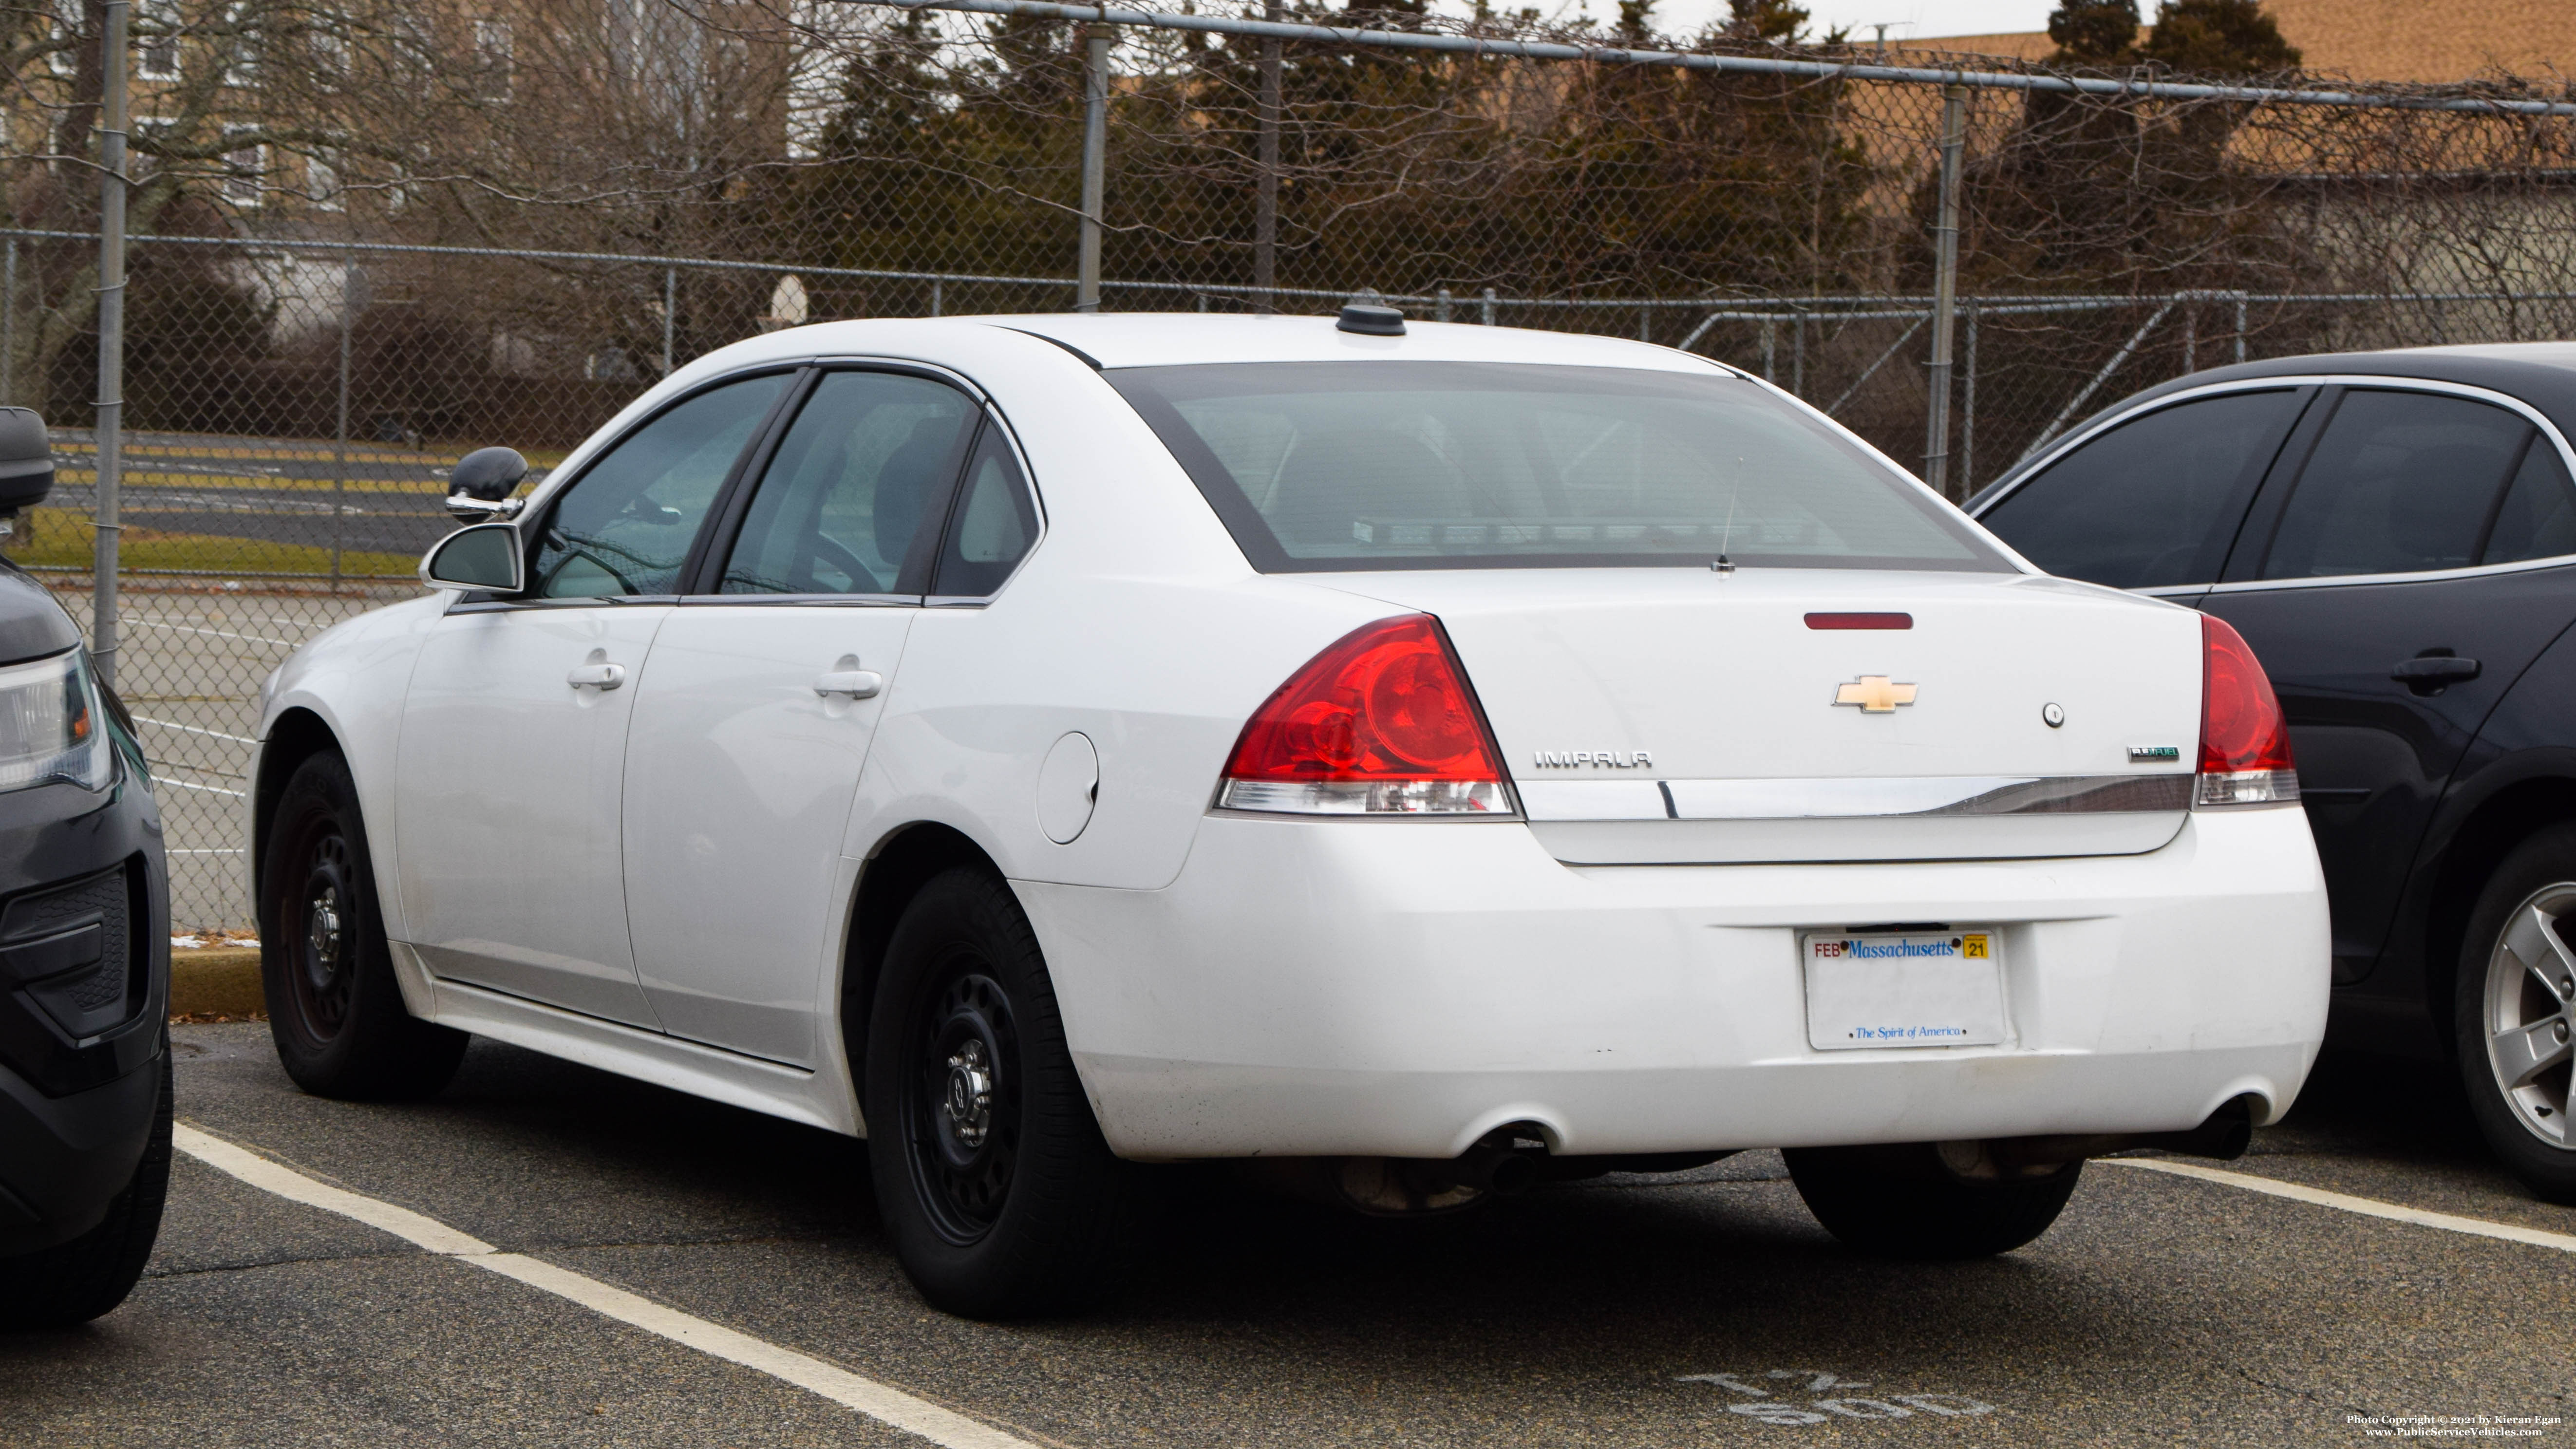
[(2531, 983)]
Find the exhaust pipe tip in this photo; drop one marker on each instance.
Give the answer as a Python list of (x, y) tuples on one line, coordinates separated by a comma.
[(2223, 1136), (1511, 1175)]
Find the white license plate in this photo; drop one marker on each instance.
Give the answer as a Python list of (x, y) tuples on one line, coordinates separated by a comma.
[(1872, 989)]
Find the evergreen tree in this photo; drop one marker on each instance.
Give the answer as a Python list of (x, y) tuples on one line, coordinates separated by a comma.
[(2219, 37), (1778, 21), (2094, 32)]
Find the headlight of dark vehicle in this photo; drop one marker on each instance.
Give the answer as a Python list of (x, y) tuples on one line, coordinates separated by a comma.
[(52, 726)]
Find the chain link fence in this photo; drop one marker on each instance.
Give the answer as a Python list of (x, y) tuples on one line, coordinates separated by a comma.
[(366, 240)]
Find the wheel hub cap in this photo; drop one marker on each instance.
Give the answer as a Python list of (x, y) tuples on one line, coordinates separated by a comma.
[(2531, 1011), (969, 1099), (323, 929)]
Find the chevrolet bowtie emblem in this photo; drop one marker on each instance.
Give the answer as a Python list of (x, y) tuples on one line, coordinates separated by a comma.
[(1874, 694)]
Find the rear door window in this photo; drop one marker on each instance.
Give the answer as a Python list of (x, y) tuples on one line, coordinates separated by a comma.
[(992, 526), (2538, 517), (1410, 465), (2154, 502), (841, 507), (2400, 482)]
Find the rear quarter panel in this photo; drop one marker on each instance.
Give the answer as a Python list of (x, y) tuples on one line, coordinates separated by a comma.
[(1135, 621)]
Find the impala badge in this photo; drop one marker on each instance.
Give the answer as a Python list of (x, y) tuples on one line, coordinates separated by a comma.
[(1875, 694), (2154, 754)]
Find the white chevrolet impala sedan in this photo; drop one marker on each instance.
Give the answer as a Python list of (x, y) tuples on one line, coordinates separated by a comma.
[(1411, 761)]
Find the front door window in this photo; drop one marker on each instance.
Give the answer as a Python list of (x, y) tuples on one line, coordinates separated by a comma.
[(625, 525)]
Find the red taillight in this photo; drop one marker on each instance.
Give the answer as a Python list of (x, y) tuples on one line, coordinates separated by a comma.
[(2244, 741), (1381, 722)]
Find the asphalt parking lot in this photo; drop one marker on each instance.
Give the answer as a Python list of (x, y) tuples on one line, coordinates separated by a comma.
[(1630, 1311)]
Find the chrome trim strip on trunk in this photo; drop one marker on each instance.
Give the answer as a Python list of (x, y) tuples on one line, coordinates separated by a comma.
[(1843, 798)]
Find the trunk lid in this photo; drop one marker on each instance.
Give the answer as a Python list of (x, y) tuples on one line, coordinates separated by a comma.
[(1665, 715)]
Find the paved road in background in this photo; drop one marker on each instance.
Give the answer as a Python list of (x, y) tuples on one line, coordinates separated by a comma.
[(1635, 1311), (274, 490), (190, 669), (365, 521)]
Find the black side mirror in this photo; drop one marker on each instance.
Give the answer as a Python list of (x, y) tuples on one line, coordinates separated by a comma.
[(26, 460), (480, 484)]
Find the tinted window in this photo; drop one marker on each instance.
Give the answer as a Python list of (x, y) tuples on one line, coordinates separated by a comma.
[(2153, 502), (841, 505), (625, 525), (1340, 465), (2399, 483), (2538, 519), (993, 524)]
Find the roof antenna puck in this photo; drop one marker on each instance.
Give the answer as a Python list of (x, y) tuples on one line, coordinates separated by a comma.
[(1369, 316)]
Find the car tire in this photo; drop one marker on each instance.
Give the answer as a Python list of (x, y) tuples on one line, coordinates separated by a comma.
[(2511, 1012), (1903, 1201), (334, 1007), (991, 1175), (89, 1276)]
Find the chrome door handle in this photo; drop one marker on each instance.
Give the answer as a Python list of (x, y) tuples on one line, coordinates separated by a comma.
[(855, 683), (602, 677)]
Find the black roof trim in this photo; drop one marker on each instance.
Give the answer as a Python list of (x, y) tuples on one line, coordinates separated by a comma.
[(1088, 360)]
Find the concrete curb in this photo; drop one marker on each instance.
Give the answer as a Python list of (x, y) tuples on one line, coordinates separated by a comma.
[(216, 981)]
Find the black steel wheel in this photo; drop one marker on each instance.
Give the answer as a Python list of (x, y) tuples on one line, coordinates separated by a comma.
[(317, 938), (334, 1008), (961, 1112), (991, 1175)]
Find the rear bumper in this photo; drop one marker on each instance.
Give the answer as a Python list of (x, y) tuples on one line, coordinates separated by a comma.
[(1400, 988)]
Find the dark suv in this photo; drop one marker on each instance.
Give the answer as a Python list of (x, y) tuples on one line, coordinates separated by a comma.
[(2395, 534), (84, 957)]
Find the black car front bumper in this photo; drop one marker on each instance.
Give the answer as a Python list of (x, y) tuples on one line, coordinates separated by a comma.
[(84, 989)]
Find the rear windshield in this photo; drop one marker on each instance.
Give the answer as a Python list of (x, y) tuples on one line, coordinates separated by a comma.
[(1320, 466)]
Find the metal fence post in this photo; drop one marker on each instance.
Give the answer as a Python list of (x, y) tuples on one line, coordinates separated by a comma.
[(1798, 354), (340, 448), (1265, 202), (111, 337), (935, 297), (1489, 307), (671, 314), (1095, 150), (1945, 287), (1770, 348), (1968, 410), (2190, 336), (2240, 326), (1442, 313), (9, 324)]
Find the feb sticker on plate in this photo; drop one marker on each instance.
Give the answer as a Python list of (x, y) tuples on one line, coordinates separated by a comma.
[(1912, 989)]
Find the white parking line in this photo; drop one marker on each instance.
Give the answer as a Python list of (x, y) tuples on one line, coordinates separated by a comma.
[(208, 789), (168, 724), (2345, 1202), (211, 633), (878, 1401)]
